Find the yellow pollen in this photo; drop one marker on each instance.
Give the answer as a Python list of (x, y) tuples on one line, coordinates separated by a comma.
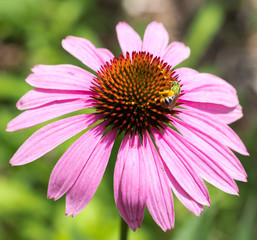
[(166, 93)]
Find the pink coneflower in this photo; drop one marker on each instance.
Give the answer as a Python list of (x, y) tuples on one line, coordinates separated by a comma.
[(174, 123)]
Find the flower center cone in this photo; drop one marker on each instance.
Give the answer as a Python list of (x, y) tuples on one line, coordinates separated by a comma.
[(128, 92)]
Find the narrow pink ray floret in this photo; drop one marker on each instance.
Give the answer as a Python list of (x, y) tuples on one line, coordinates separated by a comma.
[(174, 124)]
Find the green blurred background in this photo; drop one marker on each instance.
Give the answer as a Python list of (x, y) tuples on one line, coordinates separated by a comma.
[(223, 38)]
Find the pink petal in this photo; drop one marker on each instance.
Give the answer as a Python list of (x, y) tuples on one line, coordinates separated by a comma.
[(130, 182), (219, 131), (184, 73), (156, 39), (207, 88), (49, 111), (50, 136), (209, 170), (83, 190), (191, 79), (219, 112), (215, 152), (128, 38), (197, 81), (211, 94), (38, 97), (106, 54), (159, 200), (85, 51), (176, 53), (183, 196), (61, 77), (72, 162), (181, 170)]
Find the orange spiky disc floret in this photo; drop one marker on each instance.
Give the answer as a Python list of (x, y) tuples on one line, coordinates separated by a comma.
[(127, 92)]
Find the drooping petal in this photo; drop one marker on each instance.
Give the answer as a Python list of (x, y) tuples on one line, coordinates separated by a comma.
[(176, 53), (128, 38), (130, 182), (38, 97), (223, 133), (221, 113), (156, 39), (87, 182), (209, 170), (159, 200), (85, 51), (72, 162), (61, 77), (49, 111), (183, 196), (189, 180), (238, 172), (214, 151), (50, 136)]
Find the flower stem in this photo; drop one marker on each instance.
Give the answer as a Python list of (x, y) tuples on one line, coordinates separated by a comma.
[(124, 230)]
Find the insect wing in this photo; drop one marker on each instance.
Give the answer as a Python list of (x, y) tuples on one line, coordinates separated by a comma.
[(173, 102)]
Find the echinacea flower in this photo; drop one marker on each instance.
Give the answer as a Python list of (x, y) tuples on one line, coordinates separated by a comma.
[(174, 123)]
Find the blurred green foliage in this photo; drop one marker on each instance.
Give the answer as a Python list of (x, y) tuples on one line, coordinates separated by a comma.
[(31, 33), (203, 29)]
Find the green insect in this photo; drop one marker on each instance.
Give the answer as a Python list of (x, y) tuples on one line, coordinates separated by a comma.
[(170, 97)]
